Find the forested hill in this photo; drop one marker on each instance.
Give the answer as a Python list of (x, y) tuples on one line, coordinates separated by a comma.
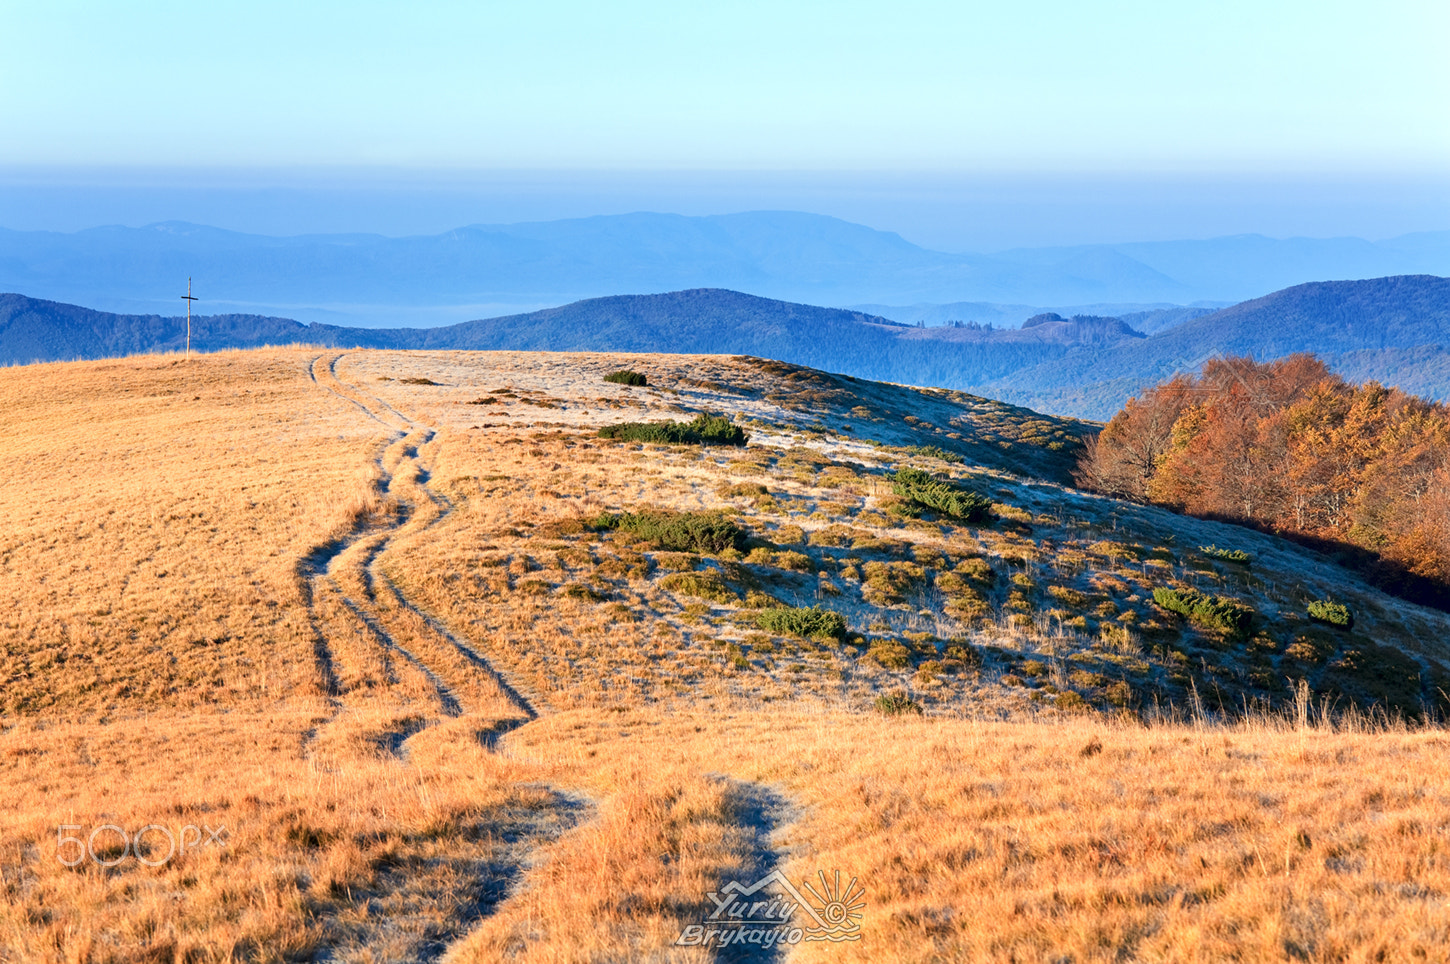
[(1390, 329), (33, 330), (706, 321)]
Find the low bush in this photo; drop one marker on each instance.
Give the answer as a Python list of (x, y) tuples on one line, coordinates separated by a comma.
[(964, 653), (1332, 613), (1311, 649), (626, 377), (896, 704), (416, 381), (944, 498), (708, 584), (676, 561), (1068, 596), (1070, 702), (794, 561), (1227, 555), (888, 583), (967, 606), (703, 532), (936, 452), (812, 622), (977, 570), (737, 490), (1205, 611), (1116, 551), (704, 429), (790, 535), (889, 654)]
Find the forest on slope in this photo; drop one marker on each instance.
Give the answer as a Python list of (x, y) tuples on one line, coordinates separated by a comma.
[(1362, 470)]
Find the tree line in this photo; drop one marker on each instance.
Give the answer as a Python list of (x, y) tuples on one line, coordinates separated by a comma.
[(1291, 447)]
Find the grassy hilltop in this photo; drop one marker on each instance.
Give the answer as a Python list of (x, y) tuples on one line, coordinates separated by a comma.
[(463, 679)]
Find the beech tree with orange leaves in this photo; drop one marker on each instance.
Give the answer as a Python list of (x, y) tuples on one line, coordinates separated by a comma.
[(1292, 447)]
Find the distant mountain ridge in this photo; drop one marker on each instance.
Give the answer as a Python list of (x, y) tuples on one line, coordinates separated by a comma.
[(704, 321), (1364, 329), (479, 270), (1393, 329)]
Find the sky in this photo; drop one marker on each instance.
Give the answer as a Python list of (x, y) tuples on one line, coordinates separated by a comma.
[(964, 125)]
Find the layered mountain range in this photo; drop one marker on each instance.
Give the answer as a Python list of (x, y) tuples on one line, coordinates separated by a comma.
[(484, 270)]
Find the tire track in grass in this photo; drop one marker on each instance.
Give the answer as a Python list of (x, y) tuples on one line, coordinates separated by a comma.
[(397, 927)]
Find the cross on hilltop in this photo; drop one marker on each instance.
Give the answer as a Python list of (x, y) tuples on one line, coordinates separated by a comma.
[(188, 299)]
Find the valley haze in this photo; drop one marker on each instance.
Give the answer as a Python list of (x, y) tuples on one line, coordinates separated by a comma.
[(368, 280)]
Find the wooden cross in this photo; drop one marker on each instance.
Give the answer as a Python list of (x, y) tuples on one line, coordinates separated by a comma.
[(188, 299)]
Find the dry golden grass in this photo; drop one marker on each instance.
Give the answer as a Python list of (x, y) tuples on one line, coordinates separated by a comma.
[(357, 621)]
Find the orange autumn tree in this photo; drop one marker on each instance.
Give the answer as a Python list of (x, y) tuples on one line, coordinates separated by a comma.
[(1292, 447)]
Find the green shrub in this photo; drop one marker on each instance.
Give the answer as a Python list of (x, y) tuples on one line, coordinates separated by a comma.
[(889, 654), (705, 429), (1227, 555), (680, 531), (977, 570), (1331, 612), (964, 652), (813, 622), (936, 452), (945, 498), (888, 583), (896, 704), (790, 535), (1311, 648), (702, 585), (1071, 702), (626, 377), (676, 561), (736, 490), (794, 561), (1116, 551), (1205, 611), (1068, 596)]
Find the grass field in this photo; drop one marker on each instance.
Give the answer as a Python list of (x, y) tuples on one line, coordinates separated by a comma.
[(364, 632)]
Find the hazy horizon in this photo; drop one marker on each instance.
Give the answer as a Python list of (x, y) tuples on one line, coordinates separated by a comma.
[(956, 213)]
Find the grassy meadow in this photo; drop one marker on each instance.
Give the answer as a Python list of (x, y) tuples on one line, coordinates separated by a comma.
[(416, 666)]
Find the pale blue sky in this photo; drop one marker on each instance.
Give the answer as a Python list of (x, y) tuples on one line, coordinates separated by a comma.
[(962, 125), (1109, 85)]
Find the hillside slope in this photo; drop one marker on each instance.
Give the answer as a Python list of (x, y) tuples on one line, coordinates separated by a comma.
[(435, 670)]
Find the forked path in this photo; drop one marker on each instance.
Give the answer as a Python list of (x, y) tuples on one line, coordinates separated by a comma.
[(370, 639), (376, 649), (348, 569)]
